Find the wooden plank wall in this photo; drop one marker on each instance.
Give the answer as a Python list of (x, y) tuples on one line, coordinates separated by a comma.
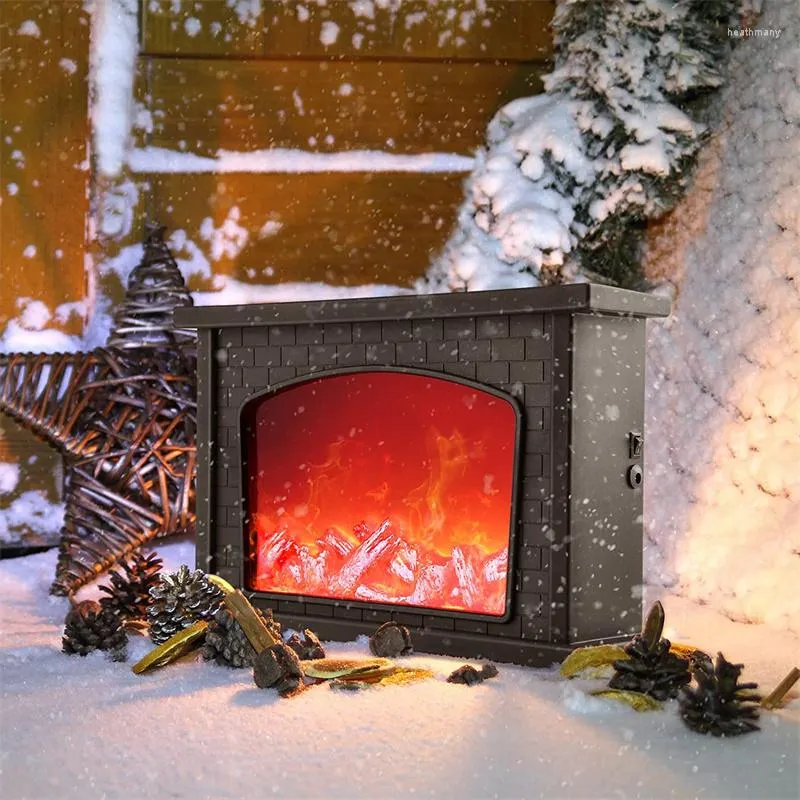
[(408, 78), (44, 130)]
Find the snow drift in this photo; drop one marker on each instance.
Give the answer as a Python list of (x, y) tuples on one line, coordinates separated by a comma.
[(723, 450)]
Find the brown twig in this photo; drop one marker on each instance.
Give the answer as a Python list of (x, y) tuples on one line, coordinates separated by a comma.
[(774, 698)]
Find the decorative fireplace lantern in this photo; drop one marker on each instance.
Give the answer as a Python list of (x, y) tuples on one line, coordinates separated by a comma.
[(469, 465)]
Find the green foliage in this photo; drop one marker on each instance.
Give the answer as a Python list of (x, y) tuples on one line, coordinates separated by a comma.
[(569, 179), (628, 60)]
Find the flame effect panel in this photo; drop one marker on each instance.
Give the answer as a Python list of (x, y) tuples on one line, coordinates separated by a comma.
[(381, 486)]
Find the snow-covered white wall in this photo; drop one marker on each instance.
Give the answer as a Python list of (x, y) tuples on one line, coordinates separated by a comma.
[(723, 449)]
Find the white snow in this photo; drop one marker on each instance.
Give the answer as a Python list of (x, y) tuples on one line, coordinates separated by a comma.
[(298, 103), (12, 188), (283, 160), (35, 314), (192, 261), (723, 485), (78, 728), (29, 28), (29, 251), (233, 292), (68, 65), (9, 477), (227, 240), (270, 228), (415, 18), (364, 9), (29, 513), (247, 11), (18, 339), (64, 311), (192, 26), (329, 33), (125, 261), (113, 65), (117, 207), (649, 157)]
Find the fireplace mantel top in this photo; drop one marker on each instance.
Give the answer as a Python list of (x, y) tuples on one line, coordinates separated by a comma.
[(575, 298)]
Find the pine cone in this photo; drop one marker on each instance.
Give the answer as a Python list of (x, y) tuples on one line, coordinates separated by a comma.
[(180, 599), (720, 705), (226, 642), (88, 626), (129, 593), (652, 669)]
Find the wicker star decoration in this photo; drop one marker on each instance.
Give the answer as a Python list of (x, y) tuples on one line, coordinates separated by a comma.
[(123, 417)]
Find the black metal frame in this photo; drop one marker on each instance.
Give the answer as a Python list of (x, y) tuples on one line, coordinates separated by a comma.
[(514, 516), (554, 606)]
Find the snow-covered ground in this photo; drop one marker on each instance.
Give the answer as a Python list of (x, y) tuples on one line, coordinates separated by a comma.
[(87, 728)]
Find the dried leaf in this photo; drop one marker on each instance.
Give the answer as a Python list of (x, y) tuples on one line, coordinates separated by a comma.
[(686, 651), (174, 648), (636, 700), (391, 676), (328, 668), (590, 659), (404, 675), (371, 675)]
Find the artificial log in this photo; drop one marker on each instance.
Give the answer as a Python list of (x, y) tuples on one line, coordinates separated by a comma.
[(257, 633), (276, 665)]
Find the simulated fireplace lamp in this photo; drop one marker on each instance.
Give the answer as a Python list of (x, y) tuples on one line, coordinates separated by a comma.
[(468, 465)]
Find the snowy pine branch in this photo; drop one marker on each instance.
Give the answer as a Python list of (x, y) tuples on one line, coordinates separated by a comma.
[(609, 145)]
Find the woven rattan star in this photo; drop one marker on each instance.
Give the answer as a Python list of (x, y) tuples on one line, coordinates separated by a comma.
[(124, 419)]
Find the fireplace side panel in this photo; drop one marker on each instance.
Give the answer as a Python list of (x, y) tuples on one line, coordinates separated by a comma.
[(607, 439)]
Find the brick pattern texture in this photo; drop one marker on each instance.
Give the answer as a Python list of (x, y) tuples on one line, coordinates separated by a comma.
[(511, 353)]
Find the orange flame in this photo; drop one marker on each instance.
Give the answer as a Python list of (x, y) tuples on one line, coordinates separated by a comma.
[(401, 514)]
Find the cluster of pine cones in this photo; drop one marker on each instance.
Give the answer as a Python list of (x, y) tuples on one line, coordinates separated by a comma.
[(92, 625), (718, 704), (141, 597)]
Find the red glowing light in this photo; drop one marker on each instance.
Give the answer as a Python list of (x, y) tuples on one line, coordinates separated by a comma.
[(382, 486)]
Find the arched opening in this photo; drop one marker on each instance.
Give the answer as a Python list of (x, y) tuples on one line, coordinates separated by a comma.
[(383, 486)]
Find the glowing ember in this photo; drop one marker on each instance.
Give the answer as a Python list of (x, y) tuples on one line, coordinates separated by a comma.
[(382, 486)]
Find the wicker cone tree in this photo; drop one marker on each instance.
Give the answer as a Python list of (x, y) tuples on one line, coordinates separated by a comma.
[(124, 419)]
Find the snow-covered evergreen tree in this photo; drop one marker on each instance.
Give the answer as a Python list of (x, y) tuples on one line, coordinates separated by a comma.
[(576, 170)]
